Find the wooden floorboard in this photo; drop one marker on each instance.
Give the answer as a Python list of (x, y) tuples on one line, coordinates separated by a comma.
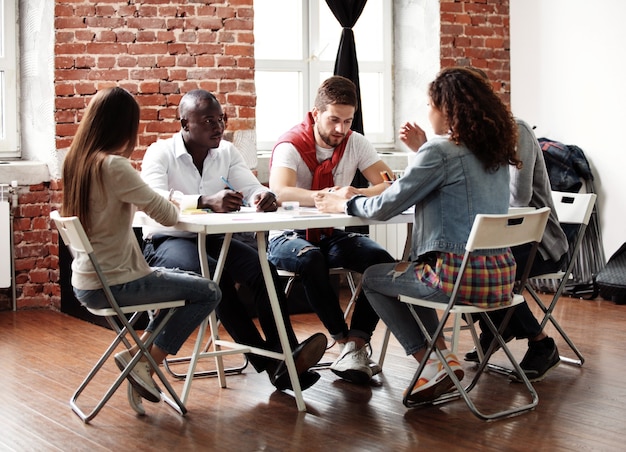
[(46, 354)]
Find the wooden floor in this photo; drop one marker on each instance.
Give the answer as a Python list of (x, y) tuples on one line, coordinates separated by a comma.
[(45, 355)]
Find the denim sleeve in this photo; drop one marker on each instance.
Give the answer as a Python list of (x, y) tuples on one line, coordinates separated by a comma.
[(421, 178)]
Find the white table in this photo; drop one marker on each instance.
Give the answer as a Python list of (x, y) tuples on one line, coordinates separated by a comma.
[(260, 222)]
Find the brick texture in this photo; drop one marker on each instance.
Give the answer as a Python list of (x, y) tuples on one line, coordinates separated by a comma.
[(476, 33), (158, 50)]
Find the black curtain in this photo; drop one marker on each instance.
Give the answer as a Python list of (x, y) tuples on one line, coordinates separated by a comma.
[(347, 13)]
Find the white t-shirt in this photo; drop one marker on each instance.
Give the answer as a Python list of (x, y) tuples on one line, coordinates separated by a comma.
[(359, 154)]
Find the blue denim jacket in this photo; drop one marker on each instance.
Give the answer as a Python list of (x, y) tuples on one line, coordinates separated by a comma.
[(448, 186)]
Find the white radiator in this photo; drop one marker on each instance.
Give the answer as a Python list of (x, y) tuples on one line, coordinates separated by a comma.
[(5, 245), (392, 237)]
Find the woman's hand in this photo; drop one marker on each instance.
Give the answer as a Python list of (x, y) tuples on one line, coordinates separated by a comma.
[(412, 135), (346, 192), (329, 202)]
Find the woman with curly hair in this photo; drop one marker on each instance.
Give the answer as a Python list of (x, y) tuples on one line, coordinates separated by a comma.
[(461, 172)]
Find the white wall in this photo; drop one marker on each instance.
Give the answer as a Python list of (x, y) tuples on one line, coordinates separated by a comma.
[(416, 60), (567, 72)]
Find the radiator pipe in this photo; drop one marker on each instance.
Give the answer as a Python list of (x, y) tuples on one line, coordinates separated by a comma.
[(13, 192)]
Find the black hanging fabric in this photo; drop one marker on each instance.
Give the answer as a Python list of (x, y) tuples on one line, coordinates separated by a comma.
[(347, 12)]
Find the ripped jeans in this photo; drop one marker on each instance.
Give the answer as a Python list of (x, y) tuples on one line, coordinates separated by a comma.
[(290, 251), (383, 283)]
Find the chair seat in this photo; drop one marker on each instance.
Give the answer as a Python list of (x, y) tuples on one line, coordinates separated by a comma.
[(106, 312), (460, 308), (556, 275)]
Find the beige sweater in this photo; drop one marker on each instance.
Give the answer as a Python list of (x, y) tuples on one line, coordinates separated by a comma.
[(111, 235)]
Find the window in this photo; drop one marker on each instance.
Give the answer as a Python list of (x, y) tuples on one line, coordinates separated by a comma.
[(9, 146), (294, 56)]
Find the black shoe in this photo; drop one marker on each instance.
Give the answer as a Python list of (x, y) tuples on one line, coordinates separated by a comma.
[(305, 355), (540, 358), (485, 341), (307, 379)]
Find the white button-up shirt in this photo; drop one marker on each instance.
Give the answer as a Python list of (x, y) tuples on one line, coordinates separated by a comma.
[(168, 166)]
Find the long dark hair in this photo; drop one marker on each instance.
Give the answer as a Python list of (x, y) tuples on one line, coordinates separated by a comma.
[(109, 127), (477, 117)]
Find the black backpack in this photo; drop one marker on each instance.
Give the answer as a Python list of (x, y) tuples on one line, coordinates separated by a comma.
[(611, 280)]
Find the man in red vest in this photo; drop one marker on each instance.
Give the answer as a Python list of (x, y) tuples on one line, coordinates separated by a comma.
[(323, 154)]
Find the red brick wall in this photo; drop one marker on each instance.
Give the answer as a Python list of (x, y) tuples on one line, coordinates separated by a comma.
[(160, 49), (476, 33), (35, 250)]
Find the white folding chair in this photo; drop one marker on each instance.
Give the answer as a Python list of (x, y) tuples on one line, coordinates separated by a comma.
[(571, 208), (75, 238), (456, 319), (488, 232), (355, 290)]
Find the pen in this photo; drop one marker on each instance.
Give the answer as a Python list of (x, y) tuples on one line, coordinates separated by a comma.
[(243, 201), (169, 198)]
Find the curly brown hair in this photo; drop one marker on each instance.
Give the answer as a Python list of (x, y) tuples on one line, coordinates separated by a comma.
[(477, 117)]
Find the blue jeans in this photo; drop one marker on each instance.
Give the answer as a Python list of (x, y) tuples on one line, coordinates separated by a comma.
[(383, 283), (202, 296), (242, 266), (290, 251)]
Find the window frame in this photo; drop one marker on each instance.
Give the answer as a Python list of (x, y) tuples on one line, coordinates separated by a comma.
[(310, 68), (9, 142)]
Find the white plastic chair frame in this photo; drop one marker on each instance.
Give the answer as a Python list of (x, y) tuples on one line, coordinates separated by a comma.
[(488, 232), (355, 290), (75, 238), (169, 363), (457, 326), (571, 208)]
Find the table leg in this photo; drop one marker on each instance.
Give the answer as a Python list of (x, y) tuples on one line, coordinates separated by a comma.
[(278, 318), (211, 320)]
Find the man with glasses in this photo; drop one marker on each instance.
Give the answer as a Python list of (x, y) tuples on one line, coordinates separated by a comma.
[(200, 170)]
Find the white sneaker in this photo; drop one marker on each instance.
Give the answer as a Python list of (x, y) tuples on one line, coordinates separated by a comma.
[(134, 399), (352, 364), (434, 380), (139, 377)]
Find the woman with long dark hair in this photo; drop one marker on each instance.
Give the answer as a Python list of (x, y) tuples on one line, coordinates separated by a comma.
[(101, 188)]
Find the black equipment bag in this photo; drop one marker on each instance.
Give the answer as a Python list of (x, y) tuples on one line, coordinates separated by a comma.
[(611, 280)]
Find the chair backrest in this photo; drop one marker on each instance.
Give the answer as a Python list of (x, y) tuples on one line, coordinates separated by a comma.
[(507, 230), (72, 232), (75, 238), (573, 208)]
